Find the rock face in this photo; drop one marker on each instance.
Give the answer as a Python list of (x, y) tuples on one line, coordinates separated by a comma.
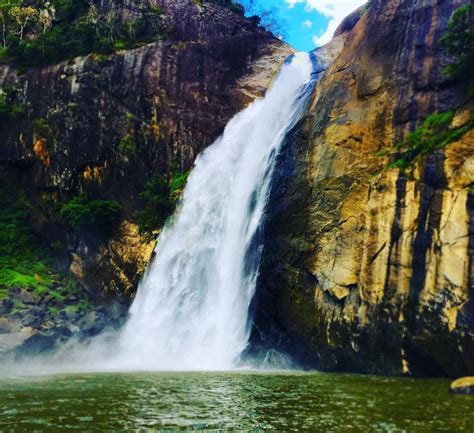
[(171, 98), (366, 269)]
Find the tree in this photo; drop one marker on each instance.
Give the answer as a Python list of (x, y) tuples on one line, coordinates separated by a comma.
[(23, 16), (109, 17), (6, 19), (271, 22), (93, 17), (250, 7), (268, 18), (459, 42), (46, 17)]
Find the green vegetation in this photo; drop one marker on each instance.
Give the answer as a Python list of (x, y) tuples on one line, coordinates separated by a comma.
[(127, 146), (25, 263), (45, 32), (459, 42), (81, 213), (19, 262), (8, 108), (160, 197), (42, 129), (35, 33), (435, 133)]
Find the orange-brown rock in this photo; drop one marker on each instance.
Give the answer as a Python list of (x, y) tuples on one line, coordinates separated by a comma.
[(172, 97), (367, 269), (42, 152)]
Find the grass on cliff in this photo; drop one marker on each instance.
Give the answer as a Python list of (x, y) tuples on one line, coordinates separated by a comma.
[(437, 130), (20, 263), (81, 213), (24, 262), (435, 133)]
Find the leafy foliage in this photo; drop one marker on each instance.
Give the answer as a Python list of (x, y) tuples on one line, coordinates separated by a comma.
[(8, 108), (435, 133), (81, 213), (160, 197), (459, 42), (268, 18), (437, 130), (127, 146), (42, 129), (51, 31), (20, 265)]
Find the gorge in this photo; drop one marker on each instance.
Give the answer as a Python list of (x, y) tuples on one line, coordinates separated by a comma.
[(198, 223), (366, 242)]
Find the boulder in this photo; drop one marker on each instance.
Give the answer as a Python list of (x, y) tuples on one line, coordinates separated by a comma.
[(14, 340), (464, 385), (7, 326)]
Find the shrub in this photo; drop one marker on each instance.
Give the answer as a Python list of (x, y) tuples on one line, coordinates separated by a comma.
[(81, 213), (127, 146), (75, 28), (20, 265), (434, 133), (42, 129), (14, 232), (160, 197), (8, 108), (25, 262), (158, 205), (459, 42)]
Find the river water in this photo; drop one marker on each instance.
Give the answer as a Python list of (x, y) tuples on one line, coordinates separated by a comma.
[(246, 401)]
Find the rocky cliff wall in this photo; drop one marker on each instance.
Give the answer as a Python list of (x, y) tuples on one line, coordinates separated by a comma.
[(169, 99), (368, 269)]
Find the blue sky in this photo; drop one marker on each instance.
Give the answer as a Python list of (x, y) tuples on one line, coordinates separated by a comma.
[(311, 23)]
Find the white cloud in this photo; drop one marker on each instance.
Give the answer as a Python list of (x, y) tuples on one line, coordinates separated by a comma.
[(291, 3), (307, 24), (334, 10)]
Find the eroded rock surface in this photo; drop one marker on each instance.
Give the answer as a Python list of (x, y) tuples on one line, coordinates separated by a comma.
[(171, 98), (367, 269)]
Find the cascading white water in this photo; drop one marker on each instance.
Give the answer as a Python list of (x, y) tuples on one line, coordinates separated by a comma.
[(191, 310)]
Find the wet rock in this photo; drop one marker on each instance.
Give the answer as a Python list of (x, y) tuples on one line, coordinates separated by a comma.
[(25, 297), (465, 385), (33, 320), (36, 344), (390, 252), (8, 326), (89, 322), (10, 342), (6, 305), (172, 97)]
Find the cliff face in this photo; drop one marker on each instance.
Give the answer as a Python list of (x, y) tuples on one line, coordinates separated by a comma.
[(367, 269), (168, 100)]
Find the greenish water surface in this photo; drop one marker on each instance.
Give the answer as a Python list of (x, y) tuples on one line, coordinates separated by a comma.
[(231, 401)]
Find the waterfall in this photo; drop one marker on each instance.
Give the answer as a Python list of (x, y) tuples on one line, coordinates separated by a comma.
[(191, 309)]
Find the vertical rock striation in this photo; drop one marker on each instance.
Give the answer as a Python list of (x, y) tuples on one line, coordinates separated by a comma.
[(366, 269), (170, 99)]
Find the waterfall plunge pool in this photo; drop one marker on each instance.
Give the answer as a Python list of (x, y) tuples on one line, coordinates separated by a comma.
[(249, 401)]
